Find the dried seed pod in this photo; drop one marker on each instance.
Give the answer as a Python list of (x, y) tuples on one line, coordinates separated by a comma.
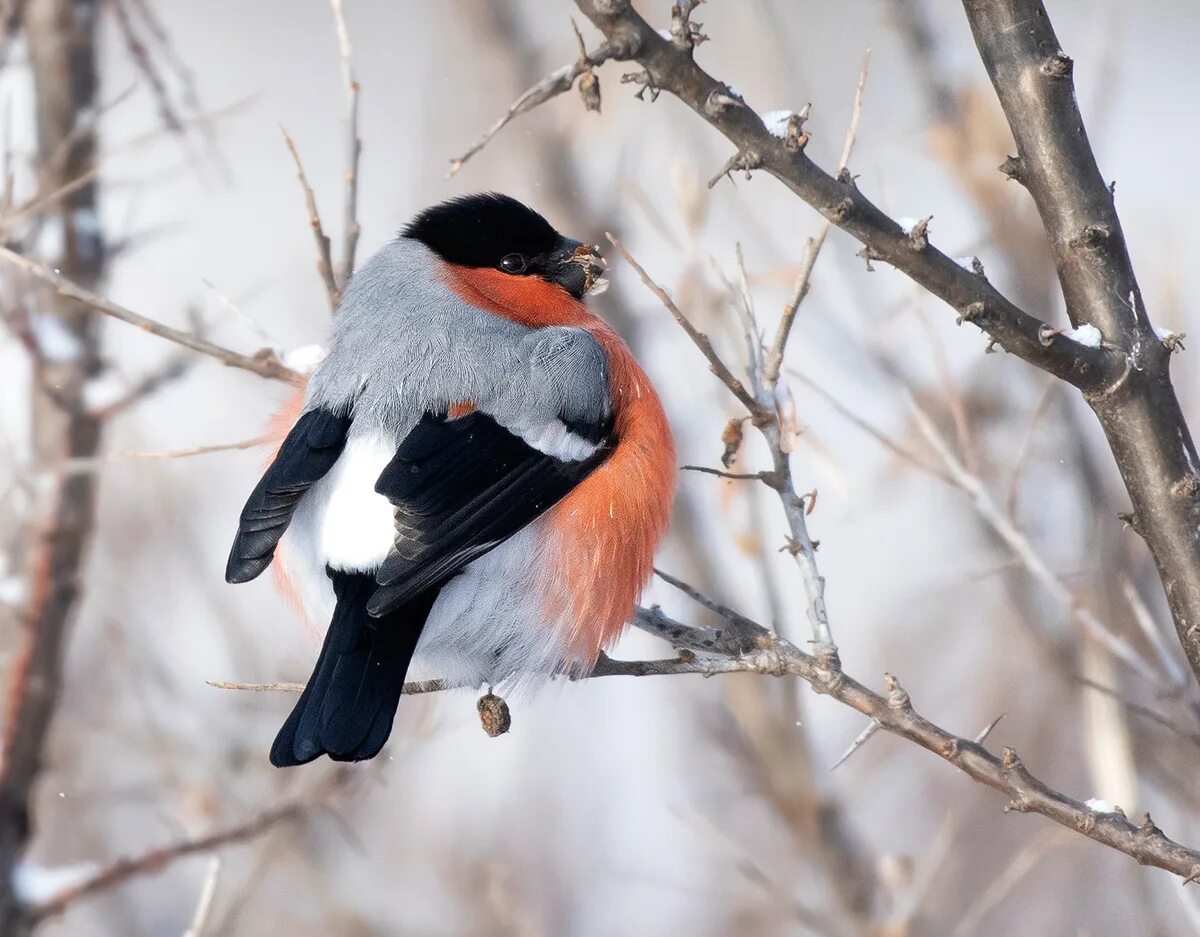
[(493, 714), (731, 438)]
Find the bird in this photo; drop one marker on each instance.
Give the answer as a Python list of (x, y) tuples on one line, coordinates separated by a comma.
[(477, 474)]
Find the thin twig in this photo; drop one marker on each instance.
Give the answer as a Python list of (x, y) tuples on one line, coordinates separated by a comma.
[(893, 711), (764, 413), (156, 860), (731, 476), (748, 634), (324, 254), (699, 339), (1026, 444), (208, 891), (1135, 707), (554, 84), (350, 225), (95, 463), (878, 435), (1002, 524), (1154, 635), (264, 363), (171, 370), (1021, 865), (812, 250)]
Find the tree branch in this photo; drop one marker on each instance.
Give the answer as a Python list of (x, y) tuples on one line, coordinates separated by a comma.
[(703, 653), (670, 68), (264, 363), (699, 339), (764, 408), (350, 226), (324, 252), (157, 860), (61, 38), (1139, 411), (554, 84)]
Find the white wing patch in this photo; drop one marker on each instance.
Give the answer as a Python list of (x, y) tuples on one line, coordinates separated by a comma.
[(356, 528), (554, 439)]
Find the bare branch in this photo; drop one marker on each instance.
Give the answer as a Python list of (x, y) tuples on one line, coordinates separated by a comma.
[(764, 413), (892, 712), (1138, 407), (1002, 524), (699, 339), (157, 860), (61, 39), (554, 84), (171, 370), (774, 358), (264, 363), (95, 463), (324, 252), (670, 69), (766, 477), (350, 225)]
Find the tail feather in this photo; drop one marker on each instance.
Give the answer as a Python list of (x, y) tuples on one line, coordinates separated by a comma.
[(347, 707)]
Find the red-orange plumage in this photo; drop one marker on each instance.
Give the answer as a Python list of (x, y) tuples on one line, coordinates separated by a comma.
[(280, 425), (609, 526)]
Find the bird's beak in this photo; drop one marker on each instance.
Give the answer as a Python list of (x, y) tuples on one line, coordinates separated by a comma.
[(579, 268)]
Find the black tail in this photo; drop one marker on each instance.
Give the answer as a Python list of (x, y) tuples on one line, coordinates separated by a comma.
[(347, 708)]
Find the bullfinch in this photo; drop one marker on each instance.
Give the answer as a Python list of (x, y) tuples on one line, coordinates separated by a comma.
[(477, 473)]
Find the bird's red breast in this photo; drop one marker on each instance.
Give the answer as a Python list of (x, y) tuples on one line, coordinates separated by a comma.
[(609, 526)]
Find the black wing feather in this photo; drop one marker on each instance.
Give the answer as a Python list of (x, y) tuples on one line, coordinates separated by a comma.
[(349, 703), (461, 487), (310, 450)]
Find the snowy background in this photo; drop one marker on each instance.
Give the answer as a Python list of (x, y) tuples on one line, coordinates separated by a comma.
[(628, 806)]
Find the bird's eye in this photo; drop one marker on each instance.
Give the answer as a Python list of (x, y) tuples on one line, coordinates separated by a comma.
[(513, 263)]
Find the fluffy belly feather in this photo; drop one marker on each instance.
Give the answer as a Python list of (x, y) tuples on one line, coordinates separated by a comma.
[(356, 528)]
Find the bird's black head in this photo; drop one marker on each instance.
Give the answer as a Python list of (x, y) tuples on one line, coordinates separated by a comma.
[(496, 231)]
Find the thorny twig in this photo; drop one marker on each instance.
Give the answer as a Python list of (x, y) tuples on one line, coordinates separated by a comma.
[(667, 67), (1126, 379), (701, 652), (764, 412)]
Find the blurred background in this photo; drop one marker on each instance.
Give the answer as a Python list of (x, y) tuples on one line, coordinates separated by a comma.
[(620, 806)]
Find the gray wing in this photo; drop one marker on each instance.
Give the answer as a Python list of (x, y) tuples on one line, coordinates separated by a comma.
[(463, 486)]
